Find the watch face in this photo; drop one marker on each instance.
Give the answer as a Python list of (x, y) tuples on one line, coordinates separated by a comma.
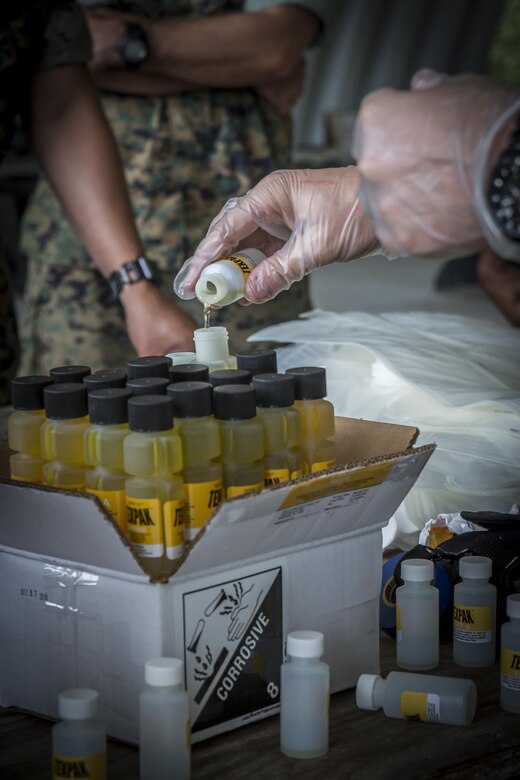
[(135, 52)]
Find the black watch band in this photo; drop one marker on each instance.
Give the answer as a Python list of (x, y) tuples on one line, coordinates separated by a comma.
[(503, 195), (130, 273)]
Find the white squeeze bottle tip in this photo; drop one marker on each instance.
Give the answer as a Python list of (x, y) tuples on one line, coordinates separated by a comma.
[(224, 281)]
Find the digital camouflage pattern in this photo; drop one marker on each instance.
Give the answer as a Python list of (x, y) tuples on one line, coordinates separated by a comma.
[(34, 35), (183, 157)]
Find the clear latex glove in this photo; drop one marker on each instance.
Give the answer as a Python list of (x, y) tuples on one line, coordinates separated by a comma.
[(301, 220), (420, 158)]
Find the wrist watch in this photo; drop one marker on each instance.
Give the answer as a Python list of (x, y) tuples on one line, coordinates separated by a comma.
[(129, 273), (133, 46), (503, 195)]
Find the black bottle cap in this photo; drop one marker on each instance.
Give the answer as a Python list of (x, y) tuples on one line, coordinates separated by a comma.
[(65, 401), (105, 378), (148, 413), (274, 390), (191, 399), (27, 392), (189, 372), (69, 374), (151, 365), (258, 361), (148, 385), (234, 402), (108, 406), (230, 376), (310, 382)]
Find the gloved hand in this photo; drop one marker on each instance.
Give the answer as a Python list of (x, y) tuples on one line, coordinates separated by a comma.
[(419, 156), (301, 220)]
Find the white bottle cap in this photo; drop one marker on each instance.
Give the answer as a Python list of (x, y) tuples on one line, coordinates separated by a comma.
[(365, 691), (78, 703), (513, 605), (475, 567), (417, 570), (164, 671), (305, 644), (181, 358)]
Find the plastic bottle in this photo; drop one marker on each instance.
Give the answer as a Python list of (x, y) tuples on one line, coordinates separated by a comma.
[(317, 417), (510, 656), (69, 374), (211, 346), (417, 617), (23, 427), (304, 697), (151, 365), (104, 439), (148, 385), (189, 372), (178, 358), (241, 439), (275, 408), (258, 361), (61, 435), (79, 740), (426, 697), (154, 492), (200, 436), (230, 376), (224, 281), (164, 722), (105, 378), (474, 613)]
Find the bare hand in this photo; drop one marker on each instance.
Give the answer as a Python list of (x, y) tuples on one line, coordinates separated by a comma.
[(501, 282), (155, 325), (284, 93)]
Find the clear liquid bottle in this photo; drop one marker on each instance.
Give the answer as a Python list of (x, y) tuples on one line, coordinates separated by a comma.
[(425, 697), (241, 439), (69, 374), (79, 739), (258, 361), (154, 493), (105, 378), (164, 722), (474, 613), (200, 436), (304, 697), (24, 425), (510, 657), (224, 281), (211, 346), (150, 365), (417, 617), (275, 407), (189, 372), (61, 435), (148, 385), (317, 418), (230, 376), (108, 414)]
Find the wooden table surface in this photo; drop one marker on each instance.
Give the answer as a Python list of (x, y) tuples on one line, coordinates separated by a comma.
[(363, 744)]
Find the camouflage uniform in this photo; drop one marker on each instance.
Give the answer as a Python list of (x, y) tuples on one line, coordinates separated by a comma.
[(34, 35), (183, 157)]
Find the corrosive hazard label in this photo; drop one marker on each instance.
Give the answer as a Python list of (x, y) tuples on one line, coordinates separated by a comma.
[(233, 648)]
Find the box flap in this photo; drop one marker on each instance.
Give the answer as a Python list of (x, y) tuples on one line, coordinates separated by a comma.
[(68, 525)]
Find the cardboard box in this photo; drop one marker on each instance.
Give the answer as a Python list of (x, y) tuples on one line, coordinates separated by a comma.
[(79, 610)]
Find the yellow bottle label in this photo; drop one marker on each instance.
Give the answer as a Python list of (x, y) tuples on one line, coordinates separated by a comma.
[(296, 474), (239, 490), (201, 499), (472, 624), (420, 706), (173, 514), (145, 528), (242, 263), (398, 631), (25, 479), (322, 465), (92, 767), (510, 669), (274, 477), (114, 502)]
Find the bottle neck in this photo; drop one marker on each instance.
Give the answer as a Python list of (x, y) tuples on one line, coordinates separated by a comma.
[(413, 585), (303, 661), (211, 344), (378, 692), (163, 689), (470, 583)]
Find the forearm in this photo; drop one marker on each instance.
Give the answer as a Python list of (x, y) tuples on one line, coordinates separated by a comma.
[(135, 82), (78, 154)]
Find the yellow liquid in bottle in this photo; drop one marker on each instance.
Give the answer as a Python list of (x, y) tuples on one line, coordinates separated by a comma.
[(23, 430), (317, 418), (242, 443), (202, 476), (277, 466), (104, 451), (62, 446)]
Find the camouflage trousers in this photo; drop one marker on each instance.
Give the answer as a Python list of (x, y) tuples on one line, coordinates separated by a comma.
[(9, 348), (183, 158)]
